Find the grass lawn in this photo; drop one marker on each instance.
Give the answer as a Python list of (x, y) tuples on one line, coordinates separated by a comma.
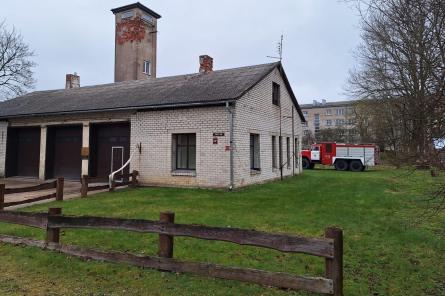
[(385, 252)]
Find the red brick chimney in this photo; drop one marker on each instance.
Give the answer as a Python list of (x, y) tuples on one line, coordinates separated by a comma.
[(72, 81), (205, 64)]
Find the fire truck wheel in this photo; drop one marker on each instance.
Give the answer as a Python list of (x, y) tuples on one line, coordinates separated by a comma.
[(306, 164), (341, 165), (356, 166)]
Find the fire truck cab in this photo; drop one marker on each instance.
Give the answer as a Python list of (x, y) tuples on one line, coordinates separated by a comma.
[(354, 157)]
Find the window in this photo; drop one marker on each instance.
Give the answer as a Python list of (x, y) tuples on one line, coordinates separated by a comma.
[(255, 152), (147, 68), (304, 113), (328, 122), (126, 14), (328, 111), (297, 153), (339, 122), (148, 19), (317, 122), (328, 148), (276, 94), (341, 111), (288, 151), (274, 152), (185, 151)]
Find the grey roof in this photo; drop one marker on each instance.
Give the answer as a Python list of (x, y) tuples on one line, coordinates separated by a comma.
[(212, 88), (136, 5)]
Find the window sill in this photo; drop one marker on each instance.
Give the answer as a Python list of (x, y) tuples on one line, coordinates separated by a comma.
[(184, 173), (255, 172)]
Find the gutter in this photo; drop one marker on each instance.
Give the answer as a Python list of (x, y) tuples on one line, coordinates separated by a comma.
[(231, 127)]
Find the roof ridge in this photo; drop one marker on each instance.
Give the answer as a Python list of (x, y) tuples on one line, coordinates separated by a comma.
[(151, 80)]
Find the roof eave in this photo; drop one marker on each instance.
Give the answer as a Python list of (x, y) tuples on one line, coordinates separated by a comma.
[(130, 108), (136, 5)]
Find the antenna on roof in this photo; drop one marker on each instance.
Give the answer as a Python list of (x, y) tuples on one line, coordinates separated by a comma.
[(279, 50)]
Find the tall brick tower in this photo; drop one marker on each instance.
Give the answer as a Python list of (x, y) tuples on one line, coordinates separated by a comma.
[(135, 42)]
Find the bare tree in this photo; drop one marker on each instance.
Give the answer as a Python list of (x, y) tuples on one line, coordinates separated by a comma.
[(401, 78), (16, 75), (402, 67)]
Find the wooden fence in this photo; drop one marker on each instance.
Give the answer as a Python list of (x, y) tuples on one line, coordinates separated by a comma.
[(58, 194), (330, 247), (127, 180)]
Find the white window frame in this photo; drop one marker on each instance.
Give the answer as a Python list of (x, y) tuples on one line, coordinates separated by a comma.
[(127, 14), (147, 70)]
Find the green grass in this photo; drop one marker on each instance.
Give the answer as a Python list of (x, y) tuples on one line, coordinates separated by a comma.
[(385, 252)]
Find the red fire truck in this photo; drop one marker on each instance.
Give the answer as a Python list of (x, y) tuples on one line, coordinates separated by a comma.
[(354, 157)]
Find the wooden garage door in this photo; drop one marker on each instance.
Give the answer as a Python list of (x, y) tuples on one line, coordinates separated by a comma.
[(64, 152), (110, 148), (23, 152)]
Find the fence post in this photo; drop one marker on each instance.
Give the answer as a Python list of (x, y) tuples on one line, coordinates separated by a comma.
[(84, 188), (166, 241), (59, 188), (2, 196), (334, 266), (134, 178), (53, 234), (113, 185)]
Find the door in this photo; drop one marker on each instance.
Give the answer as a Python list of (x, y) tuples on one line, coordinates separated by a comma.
[(64, 152), (23, 152), (328, 153), (103, 158), (315, 153), (117, 158)]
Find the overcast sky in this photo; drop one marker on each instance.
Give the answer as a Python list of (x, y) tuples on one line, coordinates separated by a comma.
[(78, 36)]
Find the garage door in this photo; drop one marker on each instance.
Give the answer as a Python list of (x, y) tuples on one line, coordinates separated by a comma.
[(110, 148), (23, 152), (63, 152)]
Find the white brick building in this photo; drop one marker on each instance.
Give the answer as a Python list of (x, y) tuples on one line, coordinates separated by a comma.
[(222, 129)]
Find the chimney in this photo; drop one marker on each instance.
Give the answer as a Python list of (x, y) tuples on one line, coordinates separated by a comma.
[(315, 103), (205, 64), (72, 81)]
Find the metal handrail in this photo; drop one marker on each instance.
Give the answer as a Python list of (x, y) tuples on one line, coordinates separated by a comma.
[(111, 176)]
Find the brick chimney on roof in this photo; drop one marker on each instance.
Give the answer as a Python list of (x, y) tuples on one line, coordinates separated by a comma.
[(205, 64), (72, 81)]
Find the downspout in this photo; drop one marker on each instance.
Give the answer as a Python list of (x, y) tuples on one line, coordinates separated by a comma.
[(293, 143), (231, 124), (280, 147)]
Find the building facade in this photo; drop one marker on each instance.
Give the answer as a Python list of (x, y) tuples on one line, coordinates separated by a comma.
[(333, 116), (219, 129)]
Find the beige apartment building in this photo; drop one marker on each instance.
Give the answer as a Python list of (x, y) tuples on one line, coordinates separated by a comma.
[(327, 115)]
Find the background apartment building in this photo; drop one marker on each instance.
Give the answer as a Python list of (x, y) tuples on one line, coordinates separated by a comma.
[(334, 121)]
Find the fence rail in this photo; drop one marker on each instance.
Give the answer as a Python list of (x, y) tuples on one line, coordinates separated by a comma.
[(330, 247), (86, 183), (57, 184)]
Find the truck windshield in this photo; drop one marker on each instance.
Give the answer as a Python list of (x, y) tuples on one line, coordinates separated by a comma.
[(315, 148)]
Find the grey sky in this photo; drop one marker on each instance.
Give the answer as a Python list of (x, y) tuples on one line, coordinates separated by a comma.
[(78, 36)]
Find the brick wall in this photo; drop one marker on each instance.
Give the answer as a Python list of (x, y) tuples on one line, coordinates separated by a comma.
[(255, 113), (3, 136), (154, 130)]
